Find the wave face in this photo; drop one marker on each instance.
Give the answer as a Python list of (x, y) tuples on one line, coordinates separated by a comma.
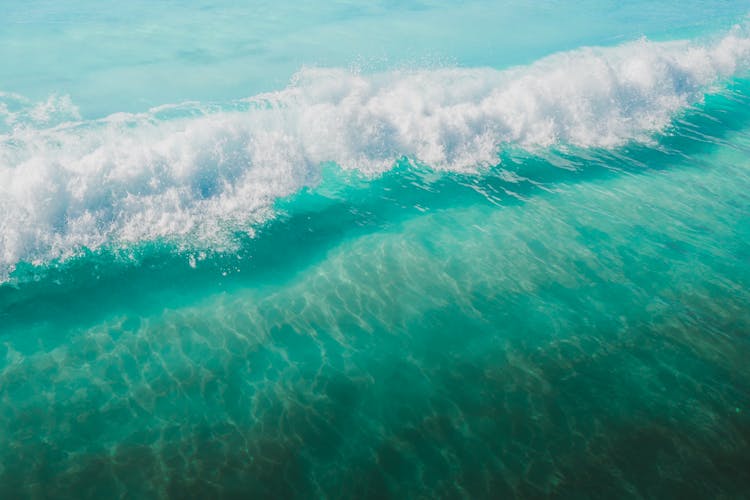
[(204, 172), (418, 335)]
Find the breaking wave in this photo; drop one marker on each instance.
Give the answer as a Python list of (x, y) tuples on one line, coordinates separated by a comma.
[(205, 170)]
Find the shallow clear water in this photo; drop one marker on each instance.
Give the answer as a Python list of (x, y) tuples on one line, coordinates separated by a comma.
[(432, 276)]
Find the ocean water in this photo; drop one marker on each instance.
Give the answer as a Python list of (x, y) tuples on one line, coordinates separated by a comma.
[(342, 249)]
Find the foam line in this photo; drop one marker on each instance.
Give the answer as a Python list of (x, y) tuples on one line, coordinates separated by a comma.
[(199, 171)]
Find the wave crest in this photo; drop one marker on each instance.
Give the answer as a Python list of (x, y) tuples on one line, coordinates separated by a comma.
[(204, 171)]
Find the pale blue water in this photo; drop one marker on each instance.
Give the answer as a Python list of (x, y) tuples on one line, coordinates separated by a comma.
[(112, 57), (394, 249)]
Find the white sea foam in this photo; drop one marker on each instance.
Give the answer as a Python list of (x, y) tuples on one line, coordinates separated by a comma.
[(190, 170)]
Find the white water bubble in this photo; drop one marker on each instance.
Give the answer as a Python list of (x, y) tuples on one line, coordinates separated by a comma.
[(204, 175)]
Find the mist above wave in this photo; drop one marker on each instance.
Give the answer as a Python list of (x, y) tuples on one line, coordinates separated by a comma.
[(206, 171)]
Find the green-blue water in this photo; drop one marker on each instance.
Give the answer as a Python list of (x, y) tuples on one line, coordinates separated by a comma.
[(427, 282)]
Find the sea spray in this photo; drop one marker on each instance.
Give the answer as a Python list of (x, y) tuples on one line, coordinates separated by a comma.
[(204, 172)]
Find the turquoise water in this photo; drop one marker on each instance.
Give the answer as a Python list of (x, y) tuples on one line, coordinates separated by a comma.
[(461, 250)]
